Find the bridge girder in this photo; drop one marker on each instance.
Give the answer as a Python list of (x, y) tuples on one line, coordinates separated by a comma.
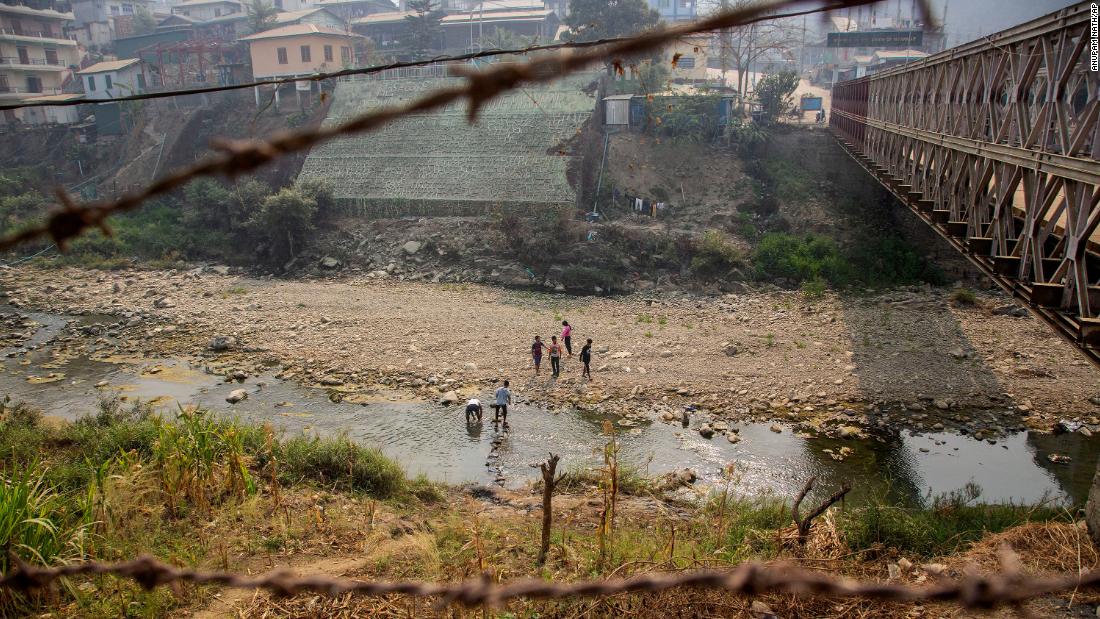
[(996, 145)]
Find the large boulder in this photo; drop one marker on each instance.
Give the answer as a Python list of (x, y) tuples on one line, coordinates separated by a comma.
[(236, 396), (411, 247)]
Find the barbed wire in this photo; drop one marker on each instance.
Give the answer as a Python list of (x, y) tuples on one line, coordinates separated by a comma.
[(1009, 587), (241, 156)]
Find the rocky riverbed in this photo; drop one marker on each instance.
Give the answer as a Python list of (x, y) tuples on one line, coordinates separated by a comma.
[(842, 366)]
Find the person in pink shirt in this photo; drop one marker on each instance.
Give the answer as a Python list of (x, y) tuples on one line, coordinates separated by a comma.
[(567, 336)]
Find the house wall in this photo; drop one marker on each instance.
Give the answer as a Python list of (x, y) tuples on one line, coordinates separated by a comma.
[(692, 64), (123, 83), (103, 10), (207, 12), (265, 55)]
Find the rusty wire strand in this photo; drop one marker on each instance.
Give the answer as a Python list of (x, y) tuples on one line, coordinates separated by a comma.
[(973, 591), (241, 156)]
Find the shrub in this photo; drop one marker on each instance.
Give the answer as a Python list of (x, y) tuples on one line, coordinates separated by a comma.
[(341, 462), (715, 256), (813, 288), (963, 296), (283, 223), (579, 277), (798, 259)]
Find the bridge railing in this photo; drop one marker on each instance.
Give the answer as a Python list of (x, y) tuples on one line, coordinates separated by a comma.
[(996, 144)]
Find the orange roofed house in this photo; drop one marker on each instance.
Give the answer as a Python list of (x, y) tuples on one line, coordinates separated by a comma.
[(298, 50)]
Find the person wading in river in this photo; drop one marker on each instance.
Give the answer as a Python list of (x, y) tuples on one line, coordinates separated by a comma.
[(555, 355), (503, 400), (473, 409), (536, 353)]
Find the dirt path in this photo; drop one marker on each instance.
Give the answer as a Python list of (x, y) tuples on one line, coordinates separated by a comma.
[(753, 354)]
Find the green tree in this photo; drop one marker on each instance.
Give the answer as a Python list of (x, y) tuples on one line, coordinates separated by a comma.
[(423, 29), (774, 93), (283, 223), (144, 22), (208, 205), (321, 194), (590, 20), (261, 15)]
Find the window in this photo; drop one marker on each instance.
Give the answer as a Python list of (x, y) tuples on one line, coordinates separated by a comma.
[(127, 9), (217, 12), (685, 4), (34, 84), (107, 82), (305, 53), (328, 53), (91, 83), (51, 56), (114, 10), (345, 53), (281, 52), (141, 81), (686, 62)]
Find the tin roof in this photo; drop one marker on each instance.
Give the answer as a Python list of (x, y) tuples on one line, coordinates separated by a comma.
[(111, 65)]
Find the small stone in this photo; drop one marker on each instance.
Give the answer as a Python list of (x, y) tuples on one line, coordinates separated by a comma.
[(236, 395), (761, 610), (449, 398), (222, 343), (733, 437), (935, 569), (776, 428), (411, 247), (665, 354), (706, 431), (328, 262)]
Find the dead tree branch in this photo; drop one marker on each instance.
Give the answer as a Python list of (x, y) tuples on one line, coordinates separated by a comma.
[(549, 483), (804, 524)]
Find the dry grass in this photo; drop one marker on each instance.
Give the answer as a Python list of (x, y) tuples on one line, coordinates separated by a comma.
[(503, 548)]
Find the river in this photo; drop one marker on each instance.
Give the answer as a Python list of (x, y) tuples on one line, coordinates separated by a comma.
[(903, 467)]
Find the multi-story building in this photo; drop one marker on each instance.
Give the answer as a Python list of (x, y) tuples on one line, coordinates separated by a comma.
[(36, 57), (675, 10), (98, 22), (206, 10)]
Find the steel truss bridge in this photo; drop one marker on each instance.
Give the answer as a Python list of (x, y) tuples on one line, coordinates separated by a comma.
[(995, 145)]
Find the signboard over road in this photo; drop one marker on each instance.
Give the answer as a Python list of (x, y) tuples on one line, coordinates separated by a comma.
[(876, 38)]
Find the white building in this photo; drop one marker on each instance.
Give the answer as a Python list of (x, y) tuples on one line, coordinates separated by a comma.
[(206, 10), (116, 78)]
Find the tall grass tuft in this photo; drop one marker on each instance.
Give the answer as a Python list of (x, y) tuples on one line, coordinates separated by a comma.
[(37, 523), (341, 462)]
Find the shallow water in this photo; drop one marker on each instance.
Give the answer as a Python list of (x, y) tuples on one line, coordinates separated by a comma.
[(434, 440)]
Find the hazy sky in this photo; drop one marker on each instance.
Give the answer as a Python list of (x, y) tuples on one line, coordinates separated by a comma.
[(966, 19), (970, 19)]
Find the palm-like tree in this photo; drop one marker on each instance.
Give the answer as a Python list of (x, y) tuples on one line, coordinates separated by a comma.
[(261, 15)]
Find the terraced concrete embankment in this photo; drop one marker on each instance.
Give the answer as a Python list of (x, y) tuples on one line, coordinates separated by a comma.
[(515, 156)]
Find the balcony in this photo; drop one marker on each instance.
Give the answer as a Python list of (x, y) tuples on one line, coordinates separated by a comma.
[(37, 34), (23, 90), (32, 64)]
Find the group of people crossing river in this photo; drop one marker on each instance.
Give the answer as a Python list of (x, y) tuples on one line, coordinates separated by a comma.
[(556, 349)]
